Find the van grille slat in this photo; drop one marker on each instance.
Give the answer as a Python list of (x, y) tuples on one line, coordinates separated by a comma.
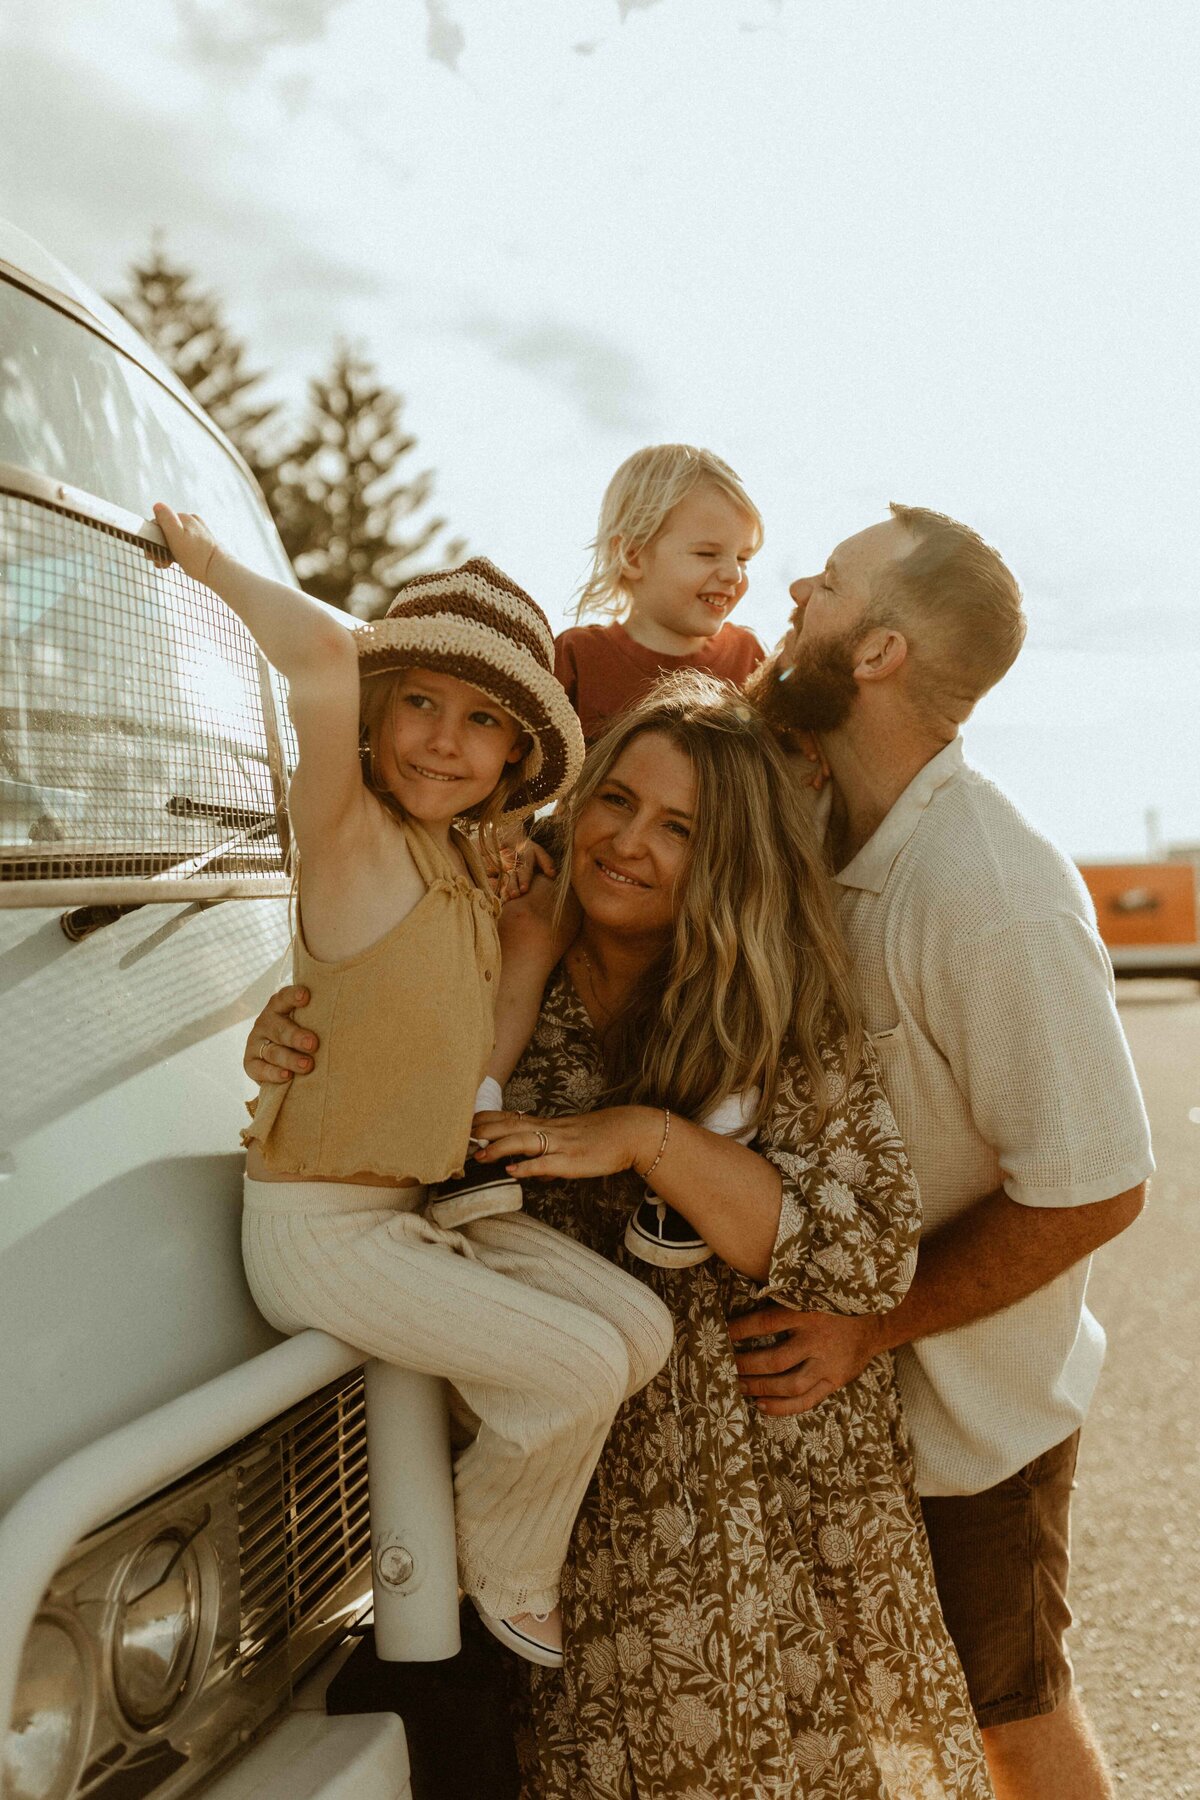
[(341, 1491), (259, 1567), (303, 1521)]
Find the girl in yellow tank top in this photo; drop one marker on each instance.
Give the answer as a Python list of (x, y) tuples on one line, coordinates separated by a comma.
[(443, 713)]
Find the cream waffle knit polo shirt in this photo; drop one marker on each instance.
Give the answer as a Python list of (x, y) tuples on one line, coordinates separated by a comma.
[(990, 1000)]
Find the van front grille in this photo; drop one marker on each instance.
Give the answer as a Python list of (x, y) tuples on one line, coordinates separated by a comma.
[(303, 1524)]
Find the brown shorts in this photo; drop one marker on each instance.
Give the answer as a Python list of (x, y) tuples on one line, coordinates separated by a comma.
[(1001, 1560)]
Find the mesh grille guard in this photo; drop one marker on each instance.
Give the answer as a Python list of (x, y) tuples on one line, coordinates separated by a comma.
[(144, 742)]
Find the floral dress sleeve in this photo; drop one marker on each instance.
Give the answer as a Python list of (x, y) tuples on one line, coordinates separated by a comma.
[(851, 1214)]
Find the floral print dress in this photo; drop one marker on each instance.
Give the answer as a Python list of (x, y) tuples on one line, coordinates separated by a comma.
[(749, 1607)]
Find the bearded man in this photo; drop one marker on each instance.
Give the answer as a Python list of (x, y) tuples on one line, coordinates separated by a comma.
[(989, 999)]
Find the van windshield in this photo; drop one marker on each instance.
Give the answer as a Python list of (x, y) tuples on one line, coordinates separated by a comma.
[(133, 744), (75, 409)]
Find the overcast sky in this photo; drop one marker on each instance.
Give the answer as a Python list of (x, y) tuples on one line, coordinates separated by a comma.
[(866, 249)]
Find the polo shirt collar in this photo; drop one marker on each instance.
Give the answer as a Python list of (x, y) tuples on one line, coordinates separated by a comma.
[(873, 864)]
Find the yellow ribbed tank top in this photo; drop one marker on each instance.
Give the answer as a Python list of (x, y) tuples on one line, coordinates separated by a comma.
[(405, 1027)]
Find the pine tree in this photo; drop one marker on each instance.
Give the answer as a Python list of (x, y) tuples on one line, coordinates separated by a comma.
[(187, 327), (349, 523)]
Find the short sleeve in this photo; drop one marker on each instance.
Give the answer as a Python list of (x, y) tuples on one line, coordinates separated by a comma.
[(851, 1212), (1027, 1019)]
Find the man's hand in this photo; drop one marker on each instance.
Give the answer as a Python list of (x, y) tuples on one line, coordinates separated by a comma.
[(820, 1353), (276, 1048)]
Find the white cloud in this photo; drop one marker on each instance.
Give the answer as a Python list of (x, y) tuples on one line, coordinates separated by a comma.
[(604, 380), (237, 35), (445, 38)]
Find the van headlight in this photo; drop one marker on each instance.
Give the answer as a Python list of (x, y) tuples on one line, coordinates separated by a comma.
[(155, 1629), (45, 1747), (172, 1635)]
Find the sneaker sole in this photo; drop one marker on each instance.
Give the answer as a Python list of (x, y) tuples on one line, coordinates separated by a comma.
[(527, 1648), (663, 1256), (481, 1203)]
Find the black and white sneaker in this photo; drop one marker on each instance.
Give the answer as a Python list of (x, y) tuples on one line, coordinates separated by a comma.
[(481, 1192), (657, 1234)]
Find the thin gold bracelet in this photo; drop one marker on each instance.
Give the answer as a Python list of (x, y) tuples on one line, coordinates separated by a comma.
[(666, 1134)]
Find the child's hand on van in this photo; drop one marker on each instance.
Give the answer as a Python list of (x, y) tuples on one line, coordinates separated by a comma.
[(189, 540)]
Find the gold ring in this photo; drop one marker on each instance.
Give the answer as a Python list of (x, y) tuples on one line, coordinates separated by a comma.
[(263, 1044), (544, 1141)]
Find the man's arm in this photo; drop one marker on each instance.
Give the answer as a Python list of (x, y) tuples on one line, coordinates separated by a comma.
[(991, 1256)]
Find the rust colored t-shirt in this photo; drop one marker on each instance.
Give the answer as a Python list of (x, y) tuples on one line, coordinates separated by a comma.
[(604, 670)]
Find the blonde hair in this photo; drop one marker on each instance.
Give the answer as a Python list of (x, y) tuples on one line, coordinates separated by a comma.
[(377, 694), (639, 499), (756, 964), (959, 606)]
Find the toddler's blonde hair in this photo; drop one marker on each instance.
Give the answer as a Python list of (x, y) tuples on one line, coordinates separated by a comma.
[(646, 488)]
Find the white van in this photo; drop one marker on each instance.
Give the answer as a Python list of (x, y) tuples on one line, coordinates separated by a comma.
[(184, 1533)]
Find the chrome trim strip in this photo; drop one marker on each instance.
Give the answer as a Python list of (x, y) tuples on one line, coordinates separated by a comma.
[(86, 890), (40, 488), (80, 314)]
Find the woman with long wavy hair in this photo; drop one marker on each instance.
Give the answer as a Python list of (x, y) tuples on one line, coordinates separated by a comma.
[(748, 1604)]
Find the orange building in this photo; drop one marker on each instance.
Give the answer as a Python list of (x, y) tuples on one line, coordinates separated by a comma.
[(1147, 913)]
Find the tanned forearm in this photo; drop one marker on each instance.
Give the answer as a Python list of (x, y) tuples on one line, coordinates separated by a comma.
[(732, 1195), (996, 1253)]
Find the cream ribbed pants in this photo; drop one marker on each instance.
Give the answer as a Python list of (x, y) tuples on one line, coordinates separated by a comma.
[(542, 1338)]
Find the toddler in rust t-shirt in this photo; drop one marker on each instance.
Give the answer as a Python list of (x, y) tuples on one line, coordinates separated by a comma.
[(676, 532)]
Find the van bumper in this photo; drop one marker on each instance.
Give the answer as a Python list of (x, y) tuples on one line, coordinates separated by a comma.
[(360, 1756)]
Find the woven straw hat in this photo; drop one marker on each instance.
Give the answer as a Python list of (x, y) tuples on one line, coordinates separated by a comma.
[(473, 622)]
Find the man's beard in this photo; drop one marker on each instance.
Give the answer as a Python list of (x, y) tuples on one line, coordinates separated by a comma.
[(816, 693)]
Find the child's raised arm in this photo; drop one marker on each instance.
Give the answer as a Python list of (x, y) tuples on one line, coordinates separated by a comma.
[(313, 652)]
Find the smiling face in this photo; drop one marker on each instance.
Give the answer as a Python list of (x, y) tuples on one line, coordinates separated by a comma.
[(812, 685), (631, 839), (443, 745), (685, 583)]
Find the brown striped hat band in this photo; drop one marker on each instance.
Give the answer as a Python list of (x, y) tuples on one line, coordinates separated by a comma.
[(477, 624)]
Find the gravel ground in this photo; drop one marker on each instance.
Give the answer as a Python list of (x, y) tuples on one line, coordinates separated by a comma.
[(1136, 1556)]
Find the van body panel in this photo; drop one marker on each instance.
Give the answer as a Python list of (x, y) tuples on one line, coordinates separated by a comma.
[(151, 1419), (120, 1272)]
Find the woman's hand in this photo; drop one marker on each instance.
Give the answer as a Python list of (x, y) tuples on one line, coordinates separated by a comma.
[(528, 926), (579, 1145), (189, 540), (276, 1048), (808, 745)]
